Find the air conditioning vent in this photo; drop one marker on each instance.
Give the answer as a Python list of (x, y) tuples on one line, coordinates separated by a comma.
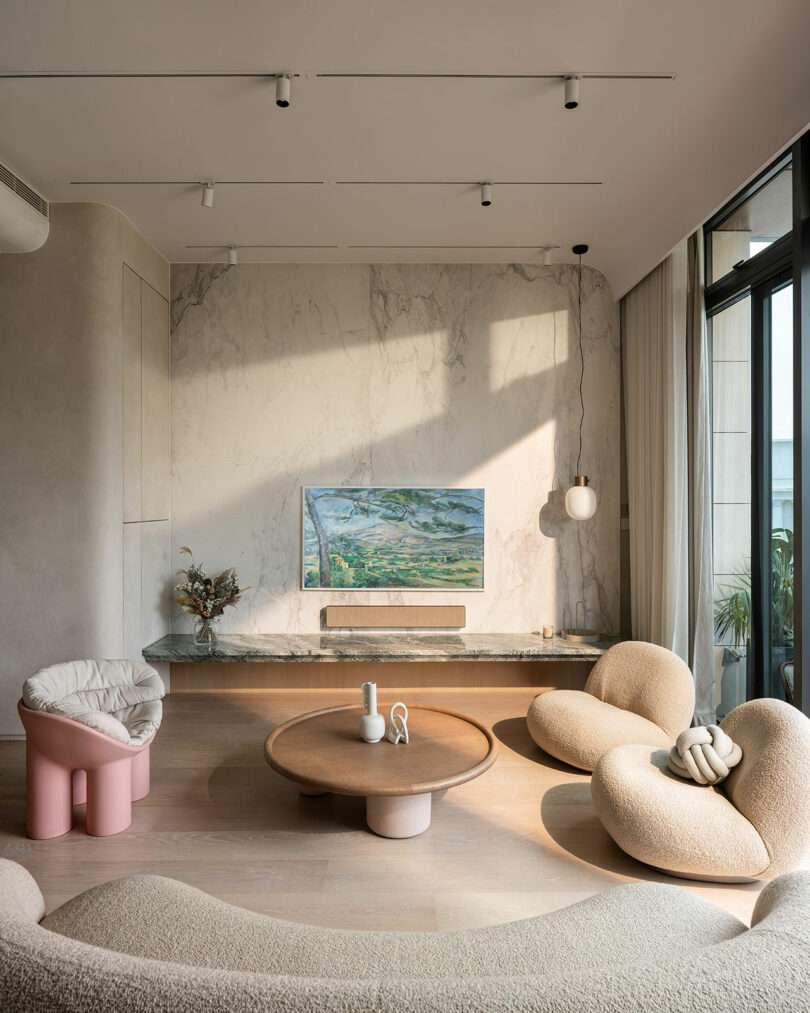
[(23, 191)]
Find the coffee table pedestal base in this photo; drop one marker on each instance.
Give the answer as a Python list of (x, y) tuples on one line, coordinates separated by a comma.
[(309, 792), (398, 815)]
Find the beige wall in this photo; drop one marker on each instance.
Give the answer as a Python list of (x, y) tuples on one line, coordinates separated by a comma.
[(282, 376), (396, 374), (61, 485)]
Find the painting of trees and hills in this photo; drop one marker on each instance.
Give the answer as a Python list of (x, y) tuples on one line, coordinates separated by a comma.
[(390, 538)]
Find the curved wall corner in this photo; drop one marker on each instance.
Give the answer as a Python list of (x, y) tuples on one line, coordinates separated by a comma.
[(22, 228), (61, 398)]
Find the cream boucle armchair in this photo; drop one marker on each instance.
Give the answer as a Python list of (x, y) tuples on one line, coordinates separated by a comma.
[(754, 825), (636, 693)]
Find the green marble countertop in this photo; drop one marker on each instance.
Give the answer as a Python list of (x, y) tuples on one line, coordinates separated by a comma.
[(380, 647)]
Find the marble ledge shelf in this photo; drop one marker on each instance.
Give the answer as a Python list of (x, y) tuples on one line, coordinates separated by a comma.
[(259, 647)]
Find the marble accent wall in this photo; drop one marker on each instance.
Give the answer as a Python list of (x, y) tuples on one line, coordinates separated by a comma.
[(287, 375)]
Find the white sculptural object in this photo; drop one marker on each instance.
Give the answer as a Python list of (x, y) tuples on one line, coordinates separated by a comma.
[(706, 754), (397, 724)]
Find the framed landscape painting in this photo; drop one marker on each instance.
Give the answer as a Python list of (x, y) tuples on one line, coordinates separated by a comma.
[(393, 538)]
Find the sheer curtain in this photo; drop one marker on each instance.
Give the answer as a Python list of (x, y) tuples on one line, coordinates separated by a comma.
[(668, 432), (654, 362)]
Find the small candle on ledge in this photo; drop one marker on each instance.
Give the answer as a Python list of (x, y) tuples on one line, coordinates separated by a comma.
[(548, 632)]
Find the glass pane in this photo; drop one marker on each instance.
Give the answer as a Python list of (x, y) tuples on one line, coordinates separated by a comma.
[(731, 438), (754, 225), (781, 327)]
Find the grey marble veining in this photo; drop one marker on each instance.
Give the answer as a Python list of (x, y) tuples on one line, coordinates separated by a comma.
[(378, 647), (191, 291), (386, 374)]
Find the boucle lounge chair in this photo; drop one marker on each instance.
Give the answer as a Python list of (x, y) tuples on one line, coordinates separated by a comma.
[(88, 726), (753, 825), (145, 944), (636, 693)]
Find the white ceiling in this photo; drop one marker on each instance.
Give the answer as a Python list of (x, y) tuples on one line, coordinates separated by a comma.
[(667, 152)]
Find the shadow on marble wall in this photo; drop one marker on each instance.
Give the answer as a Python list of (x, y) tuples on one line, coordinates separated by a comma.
[(486, 358)]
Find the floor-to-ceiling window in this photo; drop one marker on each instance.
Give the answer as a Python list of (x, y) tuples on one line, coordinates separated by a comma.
[(773, 671), (750, 271), (730, 332)]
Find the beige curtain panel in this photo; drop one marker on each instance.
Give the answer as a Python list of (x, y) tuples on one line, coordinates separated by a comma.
[(667, 432)]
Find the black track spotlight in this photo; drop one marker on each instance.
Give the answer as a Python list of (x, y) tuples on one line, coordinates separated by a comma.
[(580, 249), (283, 87)]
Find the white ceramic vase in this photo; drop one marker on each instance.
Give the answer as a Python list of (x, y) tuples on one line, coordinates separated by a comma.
[(372, 724)]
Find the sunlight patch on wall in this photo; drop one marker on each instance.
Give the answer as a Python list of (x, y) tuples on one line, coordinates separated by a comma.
[(522, 346)]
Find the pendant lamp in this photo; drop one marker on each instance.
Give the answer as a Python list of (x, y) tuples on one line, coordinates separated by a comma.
[(580, 500)]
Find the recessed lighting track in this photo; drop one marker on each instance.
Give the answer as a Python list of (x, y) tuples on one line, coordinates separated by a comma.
[(540, 247), (137, 75), (197, 182), (231, 250), (360, 75), (557, 76), (468, 182), (571, 80), (264, 246)]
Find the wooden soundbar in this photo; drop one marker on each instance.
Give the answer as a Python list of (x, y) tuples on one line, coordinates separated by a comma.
[(399, 617)]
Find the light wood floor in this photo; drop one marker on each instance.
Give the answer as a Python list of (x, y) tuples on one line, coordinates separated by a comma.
[(518, 841)]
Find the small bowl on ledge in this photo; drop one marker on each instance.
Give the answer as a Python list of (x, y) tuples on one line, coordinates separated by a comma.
[(581, 636)]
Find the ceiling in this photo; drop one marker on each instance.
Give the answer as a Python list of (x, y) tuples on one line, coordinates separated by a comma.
[(666, 152)]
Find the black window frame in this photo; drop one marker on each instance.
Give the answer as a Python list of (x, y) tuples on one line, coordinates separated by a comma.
[(780, 248), (785, 261)]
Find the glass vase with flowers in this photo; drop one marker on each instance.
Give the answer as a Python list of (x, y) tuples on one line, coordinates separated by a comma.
[(206, 598)]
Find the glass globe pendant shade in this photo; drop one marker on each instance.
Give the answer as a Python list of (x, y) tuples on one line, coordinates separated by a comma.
[(580, 500)]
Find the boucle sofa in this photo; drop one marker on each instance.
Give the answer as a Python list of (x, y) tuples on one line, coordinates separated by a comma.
[(754, 825), (636, 693), (145, 943)]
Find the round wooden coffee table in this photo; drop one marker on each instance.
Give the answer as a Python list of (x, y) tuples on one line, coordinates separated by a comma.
[(323, 752)]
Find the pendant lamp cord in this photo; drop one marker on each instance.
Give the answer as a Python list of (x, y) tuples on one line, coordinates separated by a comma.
[(581, 364)]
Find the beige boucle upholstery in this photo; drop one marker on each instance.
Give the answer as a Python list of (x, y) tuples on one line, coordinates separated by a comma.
[(150, 944), (754, 825), (636, 693), (121, 915), (670, 823), (771, 786)]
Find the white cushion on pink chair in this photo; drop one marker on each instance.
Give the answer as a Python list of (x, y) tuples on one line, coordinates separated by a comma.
[(117, 698)]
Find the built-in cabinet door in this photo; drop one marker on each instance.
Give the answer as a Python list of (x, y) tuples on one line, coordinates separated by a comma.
[(132, 395), (155, 406), (148, 584), (148, 573), (146, 396)]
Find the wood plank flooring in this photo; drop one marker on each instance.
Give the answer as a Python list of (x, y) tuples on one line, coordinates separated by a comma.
[(520, 840)]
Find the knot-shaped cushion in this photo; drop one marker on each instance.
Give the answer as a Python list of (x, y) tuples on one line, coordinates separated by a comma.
[(704, 753), (117, 698)]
